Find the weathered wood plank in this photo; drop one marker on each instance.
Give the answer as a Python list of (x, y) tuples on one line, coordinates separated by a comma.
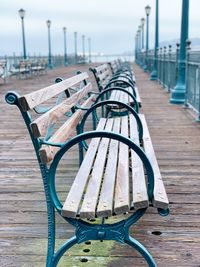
[(122, 201), (105, 206), (41, 124), (160, 199), (139, 187), (88, 208), (33, 99), (63, 133), (71, 205)]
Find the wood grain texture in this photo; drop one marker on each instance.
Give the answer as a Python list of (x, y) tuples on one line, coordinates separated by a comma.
[(106, 199), (72, 202), (139, 187), (41, 124), (122, 201), (35, 98), (91, 196), (160, 199), (47, 152)]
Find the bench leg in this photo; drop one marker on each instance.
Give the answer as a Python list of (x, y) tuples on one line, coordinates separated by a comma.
[(51, 216), (70, 243), (141, 249)]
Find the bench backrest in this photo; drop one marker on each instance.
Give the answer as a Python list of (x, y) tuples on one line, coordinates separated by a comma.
[(45, 127), (114, 66), (3, 64), (102, 75)]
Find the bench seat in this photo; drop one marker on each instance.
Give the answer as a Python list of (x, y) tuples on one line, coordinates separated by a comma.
[(124, 97), (111, 180)]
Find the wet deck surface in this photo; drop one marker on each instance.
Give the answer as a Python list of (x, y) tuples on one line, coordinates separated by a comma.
[(23, 220)]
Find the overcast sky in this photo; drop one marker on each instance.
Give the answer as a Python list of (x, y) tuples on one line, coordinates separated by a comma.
[(111, 24)]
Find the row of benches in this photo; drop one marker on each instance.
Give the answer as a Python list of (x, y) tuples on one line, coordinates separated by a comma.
[(3, 64), (23, 69), (28, 68), (118, 173)]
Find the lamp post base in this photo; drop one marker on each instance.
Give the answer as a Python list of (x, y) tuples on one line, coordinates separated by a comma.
[(178, 94), (145, 68), (154, 75)]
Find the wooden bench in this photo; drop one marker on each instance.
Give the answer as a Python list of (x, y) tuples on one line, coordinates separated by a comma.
[(118, 67), (28, 68), (118, 174), (114, 83), (3, 66)]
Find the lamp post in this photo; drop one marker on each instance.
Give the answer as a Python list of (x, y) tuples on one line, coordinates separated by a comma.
[(136, 48), (49, 44), (147, 10), (142, 31), (22, 15), (83, 47), (178, 93), (65, 46), (75, 47), (89, 49), (139, 44), (154, 73)]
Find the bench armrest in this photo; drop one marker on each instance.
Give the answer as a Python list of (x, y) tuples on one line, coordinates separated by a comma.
[(107, 102), (119, 89)]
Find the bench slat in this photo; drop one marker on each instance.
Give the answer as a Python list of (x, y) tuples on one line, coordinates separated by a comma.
[(101, 68), (47, 153), (113, 94), (104, 76), (105, 206), (33, 99), (88, 208), (117, 96), (160, 199), (122, 201), (126, 98), (139, 188), (138, 98), (41, 124), (72, 202)]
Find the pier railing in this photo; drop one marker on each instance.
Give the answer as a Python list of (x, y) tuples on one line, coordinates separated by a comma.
[(168, 70)]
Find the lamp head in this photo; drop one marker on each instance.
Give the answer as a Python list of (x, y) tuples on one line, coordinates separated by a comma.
[(148, 10), (21, 12), (142, 21), (48, 23)]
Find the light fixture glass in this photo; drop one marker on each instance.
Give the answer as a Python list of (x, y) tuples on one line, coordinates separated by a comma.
[(21, 13), (48, 23), (148, 10)]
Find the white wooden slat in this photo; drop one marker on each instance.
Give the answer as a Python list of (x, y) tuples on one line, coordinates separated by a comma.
[(72, 202), (160, 199), (47, 152), (122, 201), (88, 208), (106, 199), (41, 124), (139, 187), (138, 98), (35, 98)]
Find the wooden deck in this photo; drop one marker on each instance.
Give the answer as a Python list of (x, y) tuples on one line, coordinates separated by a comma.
[(174, 241)]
